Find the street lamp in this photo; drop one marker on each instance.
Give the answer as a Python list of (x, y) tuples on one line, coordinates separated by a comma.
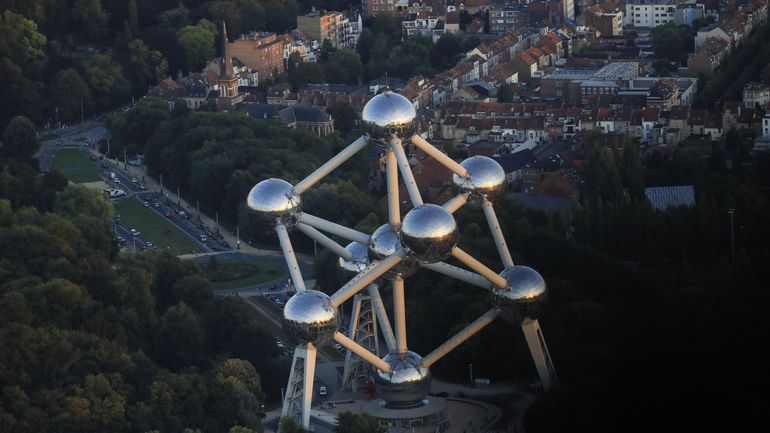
[(731, 211)]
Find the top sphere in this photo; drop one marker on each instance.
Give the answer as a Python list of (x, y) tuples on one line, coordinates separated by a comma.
[(407, 385), (430, 232), (524, 295), (389, 114), (486, 179), (275, 201), (310, 317)]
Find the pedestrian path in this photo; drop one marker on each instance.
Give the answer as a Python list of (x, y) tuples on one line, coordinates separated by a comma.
[(216, 253)]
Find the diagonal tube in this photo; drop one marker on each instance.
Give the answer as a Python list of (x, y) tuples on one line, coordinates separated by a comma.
[(324, 240), (456, 202), (459, 274), (497, 234), (459, 338), (333, 228), (406, 173), (362, 352), (394, 208), (291, 259), (331, 164), (399, 313), (382, 317), (366, 277), (439, 156), (479, 267)]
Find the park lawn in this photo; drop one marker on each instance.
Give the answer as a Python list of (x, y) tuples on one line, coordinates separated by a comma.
[(154, 227), (235, 275), (75, 166)]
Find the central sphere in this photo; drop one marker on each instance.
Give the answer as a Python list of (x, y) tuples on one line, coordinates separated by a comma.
[(275, 201), (524, 295), (430, 232), (407, 385), (389, 114), (359, 262), (486, 178), (310, 318), (383, 244)]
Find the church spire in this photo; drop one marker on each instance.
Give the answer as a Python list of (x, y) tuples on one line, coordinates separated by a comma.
[(226, 67)]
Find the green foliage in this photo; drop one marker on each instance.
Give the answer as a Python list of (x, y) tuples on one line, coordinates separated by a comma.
[(21, 42), (290, 425), (19, 140), (672, 42), (145, 67), (344, 116), (505, 93), (71, 95), (348, 422), (107, 82)]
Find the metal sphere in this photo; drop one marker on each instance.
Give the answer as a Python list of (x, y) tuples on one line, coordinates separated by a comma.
[(359, 262), (310, 318), (486, 179), (389, 114), (384, 243), (430, 232), (523, 296), (407, 385), (275, 201)]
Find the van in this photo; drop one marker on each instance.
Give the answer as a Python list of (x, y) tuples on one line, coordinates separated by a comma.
[(204, 238)]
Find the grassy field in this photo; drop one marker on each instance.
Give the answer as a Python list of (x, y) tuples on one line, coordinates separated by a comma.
[(75, 166), (234, 275), (154, 227)]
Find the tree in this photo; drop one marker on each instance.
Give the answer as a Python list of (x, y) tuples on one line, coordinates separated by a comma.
[(348, 422), (181, 339), (290, 425), (471, 42), (133, 16), (344, 116), (110, 88), (194, 291), (505, 93), (145, 67), (21, 42), (90, 19), (236, 394), (350, 61), (71, 95), (305, 73), (633, 175), (198, 44), (79, 199), (19, 139), (326, 50)]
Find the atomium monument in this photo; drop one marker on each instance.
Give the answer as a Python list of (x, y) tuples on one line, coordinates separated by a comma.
[(425, 236)]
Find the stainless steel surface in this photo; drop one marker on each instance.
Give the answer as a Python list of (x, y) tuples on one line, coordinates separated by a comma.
[(407, 384), (383, 243), (358, 262), (522, 298), (375, 270), (486, 179), (275, 201), (497, 234), (333, 228), (310, 318), (389, 114), (406, 173), (430, 232), (461, 274)]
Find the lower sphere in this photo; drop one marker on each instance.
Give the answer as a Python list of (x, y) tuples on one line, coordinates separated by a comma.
[(310, 318), (385, 242), (524, 295), (407, 385)]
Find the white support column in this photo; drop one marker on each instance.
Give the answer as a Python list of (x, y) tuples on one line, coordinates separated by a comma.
[(479, 267), (456, 202), (459, 338), (299, 391), (537, 347), (324, 240), (439, 156), (497, 234), (334, 228), (291, 259), (394, 206), (406, 172), (365, 277), (330, 165), (360, 351), (459, 274), (399, 313), (362, 330), (382, 317)]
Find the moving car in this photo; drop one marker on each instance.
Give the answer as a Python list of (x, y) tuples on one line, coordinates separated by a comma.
[(146, 204), (135, 232), (322, 391), (169, 214), (134, 180)]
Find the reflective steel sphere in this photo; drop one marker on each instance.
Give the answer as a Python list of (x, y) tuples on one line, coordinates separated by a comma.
[(275, 201), (407, 385), (430, 232), (486, 179), (349, 268), (389, 114), (524, 295), (384, 243), (310, 318)]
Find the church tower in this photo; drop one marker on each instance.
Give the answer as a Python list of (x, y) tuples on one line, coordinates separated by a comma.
[(228, 84)]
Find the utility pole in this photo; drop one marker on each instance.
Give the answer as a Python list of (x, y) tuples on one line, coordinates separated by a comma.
[(125, 159), (82, 118), (731, 211), (237, 237), (470, 369), (198, 205), (108, 146), (161, 185), (217, 215), (178, 198)]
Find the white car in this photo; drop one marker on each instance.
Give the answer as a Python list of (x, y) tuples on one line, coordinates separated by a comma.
[(134, 180), (135, 232), (322, 391)]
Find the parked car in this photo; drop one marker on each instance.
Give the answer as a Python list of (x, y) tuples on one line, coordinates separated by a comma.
[(149, 244), (322, 391), (204, 238), (93, 157), (135, 232), (134, 180), (157, 204), (169, 214)]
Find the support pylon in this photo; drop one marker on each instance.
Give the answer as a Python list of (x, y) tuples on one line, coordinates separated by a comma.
[(362, 330), (299, 391), (539, 351)]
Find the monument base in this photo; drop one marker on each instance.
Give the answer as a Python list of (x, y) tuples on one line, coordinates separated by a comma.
[(431, 417)]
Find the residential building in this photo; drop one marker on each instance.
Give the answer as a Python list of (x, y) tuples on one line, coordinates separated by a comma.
[(649, 13), (305, 116), (607, 17), (505, 17), (756, 95), (708, 58), (385, 7), (334, 26), (261, 51), (686, 13)]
